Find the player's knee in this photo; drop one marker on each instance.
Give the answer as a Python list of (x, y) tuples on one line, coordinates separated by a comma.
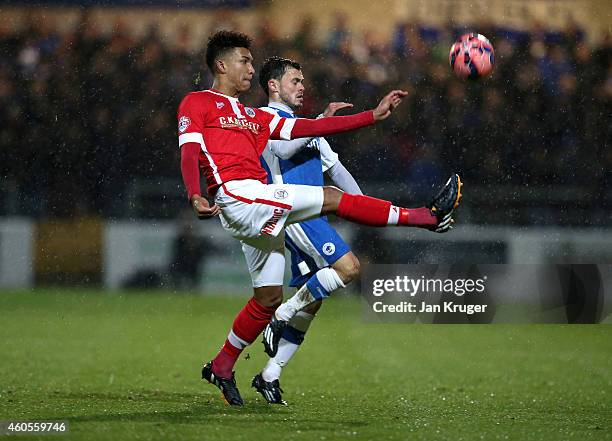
[(349, 268), (331, 199), (353, 270), (270, 296)]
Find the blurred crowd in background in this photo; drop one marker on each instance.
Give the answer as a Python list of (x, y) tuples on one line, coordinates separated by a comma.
[(86, 114)]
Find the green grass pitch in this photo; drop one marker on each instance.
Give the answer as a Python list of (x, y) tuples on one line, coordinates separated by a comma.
[(127, 367)]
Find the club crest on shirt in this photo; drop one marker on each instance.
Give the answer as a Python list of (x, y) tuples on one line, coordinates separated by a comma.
[(219, 104), (328, 248), (280, 194), (249, 112), (184, 122)]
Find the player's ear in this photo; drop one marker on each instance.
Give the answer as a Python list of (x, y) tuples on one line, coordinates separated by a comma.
[(273, 85), (220, 65)]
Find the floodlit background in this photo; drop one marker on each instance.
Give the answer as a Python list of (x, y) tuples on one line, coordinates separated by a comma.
[(91, 192), (92, 203)]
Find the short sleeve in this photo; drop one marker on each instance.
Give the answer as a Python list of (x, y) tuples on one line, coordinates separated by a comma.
[(279, 126), (269, 118), (190, 117)]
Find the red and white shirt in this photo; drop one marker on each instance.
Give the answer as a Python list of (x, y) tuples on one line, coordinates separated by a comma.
[(232, 136)]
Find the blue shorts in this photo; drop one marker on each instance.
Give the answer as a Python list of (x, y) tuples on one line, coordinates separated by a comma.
[(314, 244)]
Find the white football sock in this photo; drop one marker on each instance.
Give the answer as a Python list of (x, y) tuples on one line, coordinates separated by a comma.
[(301, 299), (325, 281), (329, 279), (393, 215), (287, 349)]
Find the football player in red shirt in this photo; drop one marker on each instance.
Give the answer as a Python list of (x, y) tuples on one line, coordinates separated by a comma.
[(224, 139)]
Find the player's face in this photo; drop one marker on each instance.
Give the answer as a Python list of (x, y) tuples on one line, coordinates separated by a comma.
[(239, 68), (291, 88)]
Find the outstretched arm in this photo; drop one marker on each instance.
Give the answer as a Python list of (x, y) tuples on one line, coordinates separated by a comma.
[(300, 128), (286, 149)]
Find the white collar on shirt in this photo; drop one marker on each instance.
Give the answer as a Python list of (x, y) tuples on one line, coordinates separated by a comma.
[(281, 106), (231, 98)]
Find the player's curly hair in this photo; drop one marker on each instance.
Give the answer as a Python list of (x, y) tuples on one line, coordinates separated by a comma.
[(221, 42), (275, 68)]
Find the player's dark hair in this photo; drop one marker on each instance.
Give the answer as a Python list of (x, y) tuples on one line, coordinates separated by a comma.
[(221, 42), (275, 68)]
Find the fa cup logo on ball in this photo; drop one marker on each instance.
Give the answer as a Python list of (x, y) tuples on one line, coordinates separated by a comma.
[(472, 56)]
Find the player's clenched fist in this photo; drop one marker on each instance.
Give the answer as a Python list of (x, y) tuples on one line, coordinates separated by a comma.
[(203, 208), (388, 103)]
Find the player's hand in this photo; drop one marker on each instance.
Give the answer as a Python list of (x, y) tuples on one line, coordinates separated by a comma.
[(332, 108), (388, 103), (202, 207)]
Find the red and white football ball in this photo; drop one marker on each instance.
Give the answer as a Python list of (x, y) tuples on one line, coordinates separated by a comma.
[(472, 56)]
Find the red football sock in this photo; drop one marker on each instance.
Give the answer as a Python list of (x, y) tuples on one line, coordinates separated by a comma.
[(416, 217), (249, 323), (374, 212), (364, 210), (224, 362)]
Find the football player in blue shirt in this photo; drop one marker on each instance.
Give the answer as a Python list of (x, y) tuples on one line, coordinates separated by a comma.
[(315, 246)]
